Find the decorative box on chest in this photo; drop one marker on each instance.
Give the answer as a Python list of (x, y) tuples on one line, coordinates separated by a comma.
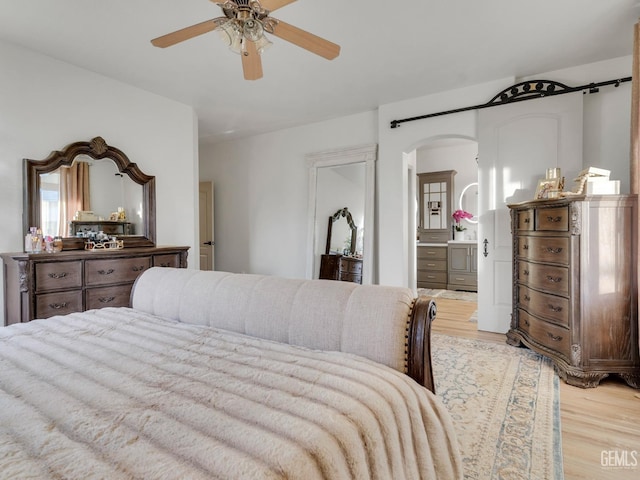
[(575, 285)]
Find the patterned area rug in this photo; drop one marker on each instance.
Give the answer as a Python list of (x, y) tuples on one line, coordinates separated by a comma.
[(505, 406), (449, 294)]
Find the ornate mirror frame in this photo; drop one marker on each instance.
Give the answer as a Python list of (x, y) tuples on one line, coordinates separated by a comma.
[(343, 212), (97, 149)]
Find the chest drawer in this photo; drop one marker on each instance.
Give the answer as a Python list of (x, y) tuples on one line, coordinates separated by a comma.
[(120, 270), (544, 249), (432, 265), (524, 220), (546, 334), (169, 260), (59, 303), (463, 279), (116, 296), (58, 275), (544, 277), (434, 253), (349, 265), (552, 219), (549, 307)]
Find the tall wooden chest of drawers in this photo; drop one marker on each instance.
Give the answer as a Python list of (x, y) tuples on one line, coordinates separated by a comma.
[(42, 285), (575, 285)]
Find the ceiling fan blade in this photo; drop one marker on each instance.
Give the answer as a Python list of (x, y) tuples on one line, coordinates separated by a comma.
[(273, 5), (251, 62), (189, 32), (304, 39)]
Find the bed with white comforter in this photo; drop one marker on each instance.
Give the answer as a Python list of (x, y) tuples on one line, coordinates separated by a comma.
[(131, 393)]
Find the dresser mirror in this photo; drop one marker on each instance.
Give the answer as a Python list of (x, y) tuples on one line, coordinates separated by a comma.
[(122, 198), (342, 233)]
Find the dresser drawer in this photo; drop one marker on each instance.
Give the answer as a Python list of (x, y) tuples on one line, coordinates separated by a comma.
[(117, 270), (57, 276), (59, 303), (550, 307), (350, 265), (168, 260), (545, 249), (552, 219), (432, 277), (116, 296), (545, 277), (463, 279), (432, 265), (524, 220), (439, 253), (546, 334)]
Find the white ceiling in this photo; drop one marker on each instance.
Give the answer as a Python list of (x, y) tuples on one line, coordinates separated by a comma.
[(391, 51)]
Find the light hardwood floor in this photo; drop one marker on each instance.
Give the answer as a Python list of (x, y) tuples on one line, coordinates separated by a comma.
[(594, 421)]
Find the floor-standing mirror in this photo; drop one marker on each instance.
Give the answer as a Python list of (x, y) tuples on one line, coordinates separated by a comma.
[(341, 179)]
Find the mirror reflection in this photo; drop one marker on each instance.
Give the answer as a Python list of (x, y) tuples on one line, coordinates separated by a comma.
[(469, 201), (89, 187), (342, 234), (87, 197)]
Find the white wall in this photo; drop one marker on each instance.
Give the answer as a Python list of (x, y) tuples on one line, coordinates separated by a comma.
[(46, 104), (261, 182), (261, 193)]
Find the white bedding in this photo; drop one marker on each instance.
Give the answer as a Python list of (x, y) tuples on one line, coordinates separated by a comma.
[(116, 393)]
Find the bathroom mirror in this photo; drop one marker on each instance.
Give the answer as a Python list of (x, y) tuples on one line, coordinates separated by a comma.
[(338, 178), (469, 201), (116, 176)]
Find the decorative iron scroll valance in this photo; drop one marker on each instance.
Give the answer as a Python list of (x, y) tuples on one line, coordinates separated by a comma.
[(520, 92)]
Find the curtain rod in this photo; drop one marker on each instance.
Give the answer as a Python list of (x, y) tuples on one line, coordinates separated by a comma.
[(520, 92)]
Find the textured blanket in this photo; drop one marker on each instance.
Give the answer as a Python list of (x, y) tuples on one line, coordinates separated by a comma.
[(115, 393)]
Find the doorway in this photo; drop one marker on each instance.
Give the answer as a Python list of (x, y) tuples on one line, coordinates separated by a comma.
[(452, 278)]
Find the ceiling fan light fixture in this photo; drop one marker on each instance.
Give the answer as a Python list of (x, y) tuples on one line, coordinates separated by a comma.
[(262, 44), (252, 29)]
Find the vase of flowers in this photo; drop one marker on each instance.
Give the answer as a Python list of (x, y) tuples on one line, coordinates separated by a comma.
[(458, 230)]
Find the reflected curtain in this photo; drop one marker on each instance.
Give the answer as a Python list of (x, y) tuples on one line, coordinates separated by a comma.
[(74, 194)]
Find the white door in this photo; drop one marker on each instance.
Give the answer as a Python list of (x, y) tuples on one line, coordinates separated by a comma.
[(516, 144), (206, 226)]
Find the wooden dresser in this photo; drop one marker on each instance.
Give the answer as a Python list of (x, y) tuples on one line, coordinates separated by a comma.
[(45, 284), (341, 267), (575, 285)]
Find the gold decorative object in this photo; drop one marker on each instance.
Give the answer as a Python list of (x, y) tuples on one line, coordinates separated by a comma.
[(92, 246)]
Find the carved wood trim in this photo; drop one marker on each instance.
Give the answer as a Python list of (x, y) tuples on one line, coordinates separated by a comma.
[(419, 342)]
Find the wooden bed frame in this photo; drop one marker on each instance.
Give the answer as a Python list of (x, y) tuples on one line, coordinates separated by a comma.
[(419, 342)]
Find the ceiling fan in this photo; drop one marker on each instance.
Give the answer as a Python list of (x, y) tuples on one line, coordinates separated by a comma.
[(243, 28)]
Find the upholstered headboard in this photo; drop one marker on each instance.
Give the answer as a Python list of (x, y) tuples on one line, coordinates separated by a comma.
[(371, 321)]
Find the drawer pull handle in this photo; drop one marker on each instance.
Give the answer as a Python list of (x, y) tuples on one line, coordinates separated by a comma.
[(554, 279), (106, 299), (431, 264), (526, 322), (525, 272), (137, 269), (106, 272), (554, 219), (167, 264), (460, 279), (554, 250), (527, 220), (555, 309), (555, 338), (58, 275), (527, 298), (58, 306), (525, 246)]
